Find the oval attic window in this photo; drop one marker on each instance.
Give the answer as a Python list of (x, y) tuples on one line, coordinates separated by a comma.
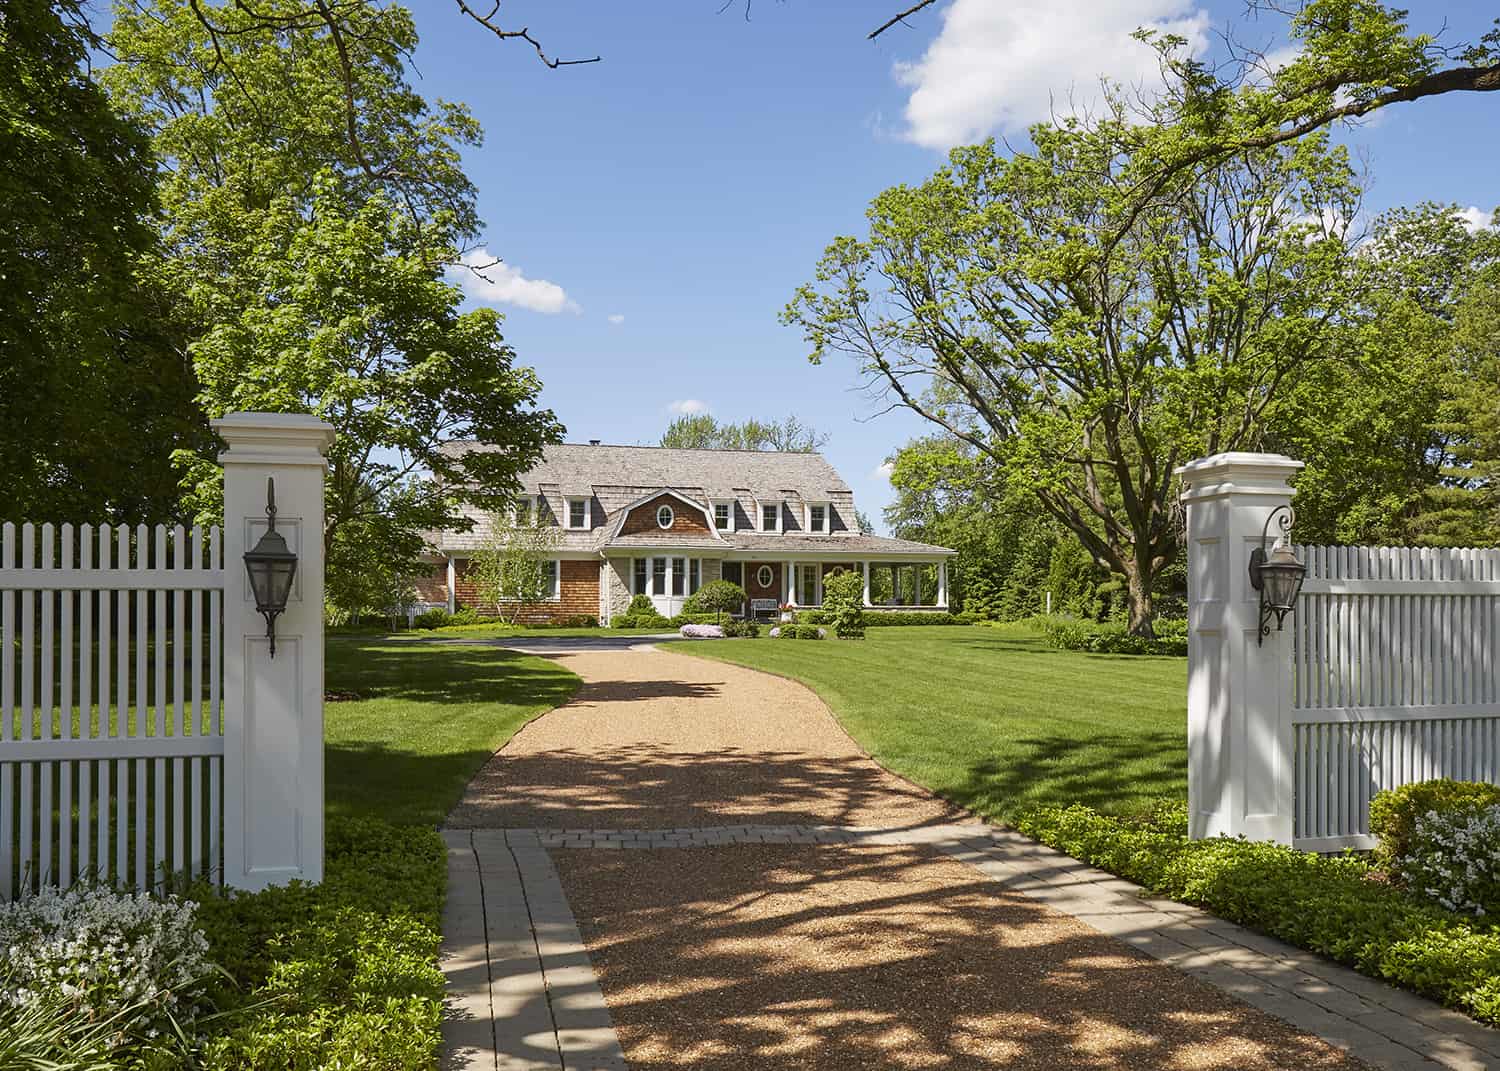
[(764, 576), (664, 517)]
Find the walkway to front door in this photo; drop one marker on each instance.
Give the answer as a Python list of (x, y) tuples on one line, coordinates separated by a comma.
[(691, 865)]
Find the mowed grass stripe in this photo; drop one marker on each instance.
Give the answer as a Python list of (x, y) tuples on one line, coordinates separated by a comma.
[(993, 719)]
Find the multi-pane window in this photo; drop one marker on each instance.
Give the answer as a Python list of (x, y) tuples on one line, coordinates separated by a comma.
[(553, 579), (578, 513), (695, 575), (723, 516), (770, 515), (807, 585), (639, 576), (817, 518), (679, 575), (523, 511), (658, 576)]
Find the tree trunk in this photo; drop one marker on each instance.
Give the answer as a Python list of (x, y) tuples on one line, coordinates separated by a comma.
[(1141, 609)]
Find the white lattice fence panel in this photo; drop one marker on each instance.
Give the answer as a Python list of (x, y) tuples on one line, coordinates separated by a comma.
[(111, 745), (1395, 680)]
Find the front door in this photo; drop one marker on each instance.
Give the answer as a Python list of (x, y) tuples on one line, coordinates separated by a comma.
[(670, 583), (763, 586)]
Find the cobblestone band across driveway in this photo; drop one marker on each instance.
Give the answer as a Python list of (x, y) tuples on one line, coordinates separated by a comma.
[(525, 995)]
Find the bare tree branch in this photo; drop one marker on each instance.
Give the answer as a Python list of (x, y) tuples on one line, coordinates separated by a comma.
[(524, 34), (898, 18)]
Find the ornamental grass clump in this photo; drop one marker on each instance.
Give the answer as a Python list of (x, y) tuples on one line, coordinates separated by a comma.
[(95, 955)]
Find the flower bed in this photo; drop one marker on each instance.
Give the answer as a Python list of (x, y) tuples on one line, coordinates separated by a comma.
[(701, 632)]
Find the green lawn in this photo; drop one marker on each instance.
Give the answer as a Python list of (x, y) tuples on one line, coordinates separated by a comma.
[(413, 722), (993, 719), (488, 631)]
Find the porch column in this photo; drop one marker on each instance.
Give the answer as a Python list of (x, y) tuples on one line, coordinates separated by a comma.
[(942, 596), (895, 583), (452, 592), (789, 581), (866, 564)]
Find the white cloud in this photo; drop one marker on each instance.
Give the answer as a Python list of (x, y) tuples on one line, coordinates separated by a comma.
[(688, 407), (492, 283), (1475, 218), (999, 67), (883, 471), (616, 318)]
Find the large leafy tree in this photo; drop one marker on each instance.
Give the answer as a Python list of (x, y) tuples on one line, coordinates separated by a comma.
[(1375, 424), (313, 204), (95, 391), (1029, 306), (701, 431)]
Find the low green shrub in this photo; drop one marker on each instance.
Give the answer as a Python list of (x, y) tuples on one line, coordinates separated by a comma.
[(791, 631), (651, 620), (342, 974), (1332, 905), (1075, 634), (748, 630), (1394, 811), (440, 618), (641, 606), (879, 618)]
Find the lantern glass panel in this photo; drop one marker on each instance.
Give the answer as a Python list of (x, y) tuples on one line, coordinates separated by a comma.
[(282, 573)]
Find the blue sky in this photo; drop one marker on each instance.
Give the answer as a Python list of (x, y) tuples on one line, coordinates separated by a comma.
[(654, 211)]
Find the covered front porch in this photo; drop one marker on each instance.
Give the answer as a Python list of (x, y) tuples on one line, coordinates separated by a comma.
[(908, 584)]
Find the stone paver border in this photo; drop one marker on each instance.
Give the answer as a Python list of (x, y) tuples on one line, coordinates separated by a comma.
[(522, 995), (515, 881)]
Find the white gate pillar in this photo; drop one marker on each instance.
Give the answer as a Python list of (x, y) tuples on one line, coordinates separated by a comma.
[(273, 708), (1239, 692)]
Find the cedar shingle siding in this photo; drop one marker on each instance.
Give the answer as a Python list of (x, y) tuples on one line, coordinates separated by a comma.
[(686, 520), (580, 592)]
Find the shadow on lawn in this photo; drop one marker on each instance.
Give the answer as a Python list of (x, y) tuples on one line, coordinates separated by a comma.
[(448, 675), (1106, 771), (884, 957)]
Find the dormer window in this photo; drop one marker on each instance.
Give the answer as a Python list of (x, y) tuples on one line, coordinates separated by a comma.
[(724, 516), (817, 517), (770, 517), (578, 513), (664, 517), (523, 511)]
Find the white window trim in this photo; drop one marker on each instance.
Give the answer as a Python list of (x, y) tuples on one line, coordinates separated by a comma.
[(807, 509), (760, 519), (588, 512), (689, 566), (769, 573), (556, 595), (671, 516), (714, 505)]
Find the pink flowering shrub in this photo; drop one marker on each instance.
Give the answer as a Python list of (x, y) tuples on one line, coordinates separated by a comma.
[(702, 632)]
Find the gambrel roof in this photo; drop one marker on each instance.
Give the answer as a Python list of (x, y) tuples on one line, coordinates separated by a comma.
[(576, 469)]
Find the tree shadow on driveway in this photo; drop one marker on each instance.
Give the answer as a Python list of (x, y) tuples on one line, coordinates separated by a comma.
[(873, 957)]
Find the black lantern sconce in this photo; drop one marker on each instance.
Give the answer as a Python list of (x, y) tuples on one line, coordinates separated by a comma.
[(271, 567), (1277, 574)]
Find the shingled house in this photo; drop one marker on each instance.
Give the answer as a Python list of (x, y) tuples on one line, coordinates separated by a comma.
[(642, 520)]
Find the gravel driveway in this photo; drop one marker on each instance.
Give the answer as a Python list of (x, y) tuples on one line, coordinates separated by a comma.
[(768, 957), (655, 739)]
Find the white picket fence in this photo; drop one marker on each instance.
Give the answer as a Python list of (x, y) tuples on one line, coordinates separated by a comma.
[(1396, 679), (111, 724)]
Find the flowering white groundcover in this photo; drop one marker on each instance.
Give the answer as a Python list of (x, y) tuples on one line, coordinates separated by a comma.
[(702, 632), (1454, 858), (106, 952)]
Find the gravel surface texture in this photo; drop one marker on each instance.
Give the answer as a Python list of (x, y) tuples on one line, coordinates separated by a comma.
[(655, 739), (886, 957)]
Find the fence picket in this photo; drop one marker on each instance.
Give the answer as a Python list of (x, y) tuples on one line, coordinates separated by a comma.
[(26, 833), (1395, 682), (7, 707)]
